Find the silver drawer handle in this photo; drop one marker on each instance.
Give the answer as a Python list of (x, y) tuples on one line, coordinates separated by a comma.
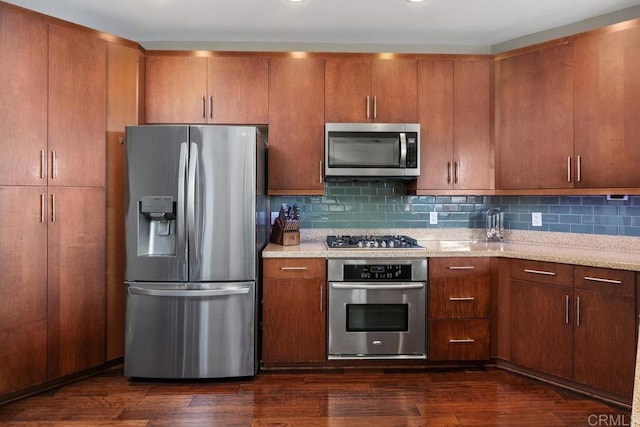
[(293, 268), (597, 279), (462, 341), (194, 293), (545, 273), (462, 299), (462, 267)]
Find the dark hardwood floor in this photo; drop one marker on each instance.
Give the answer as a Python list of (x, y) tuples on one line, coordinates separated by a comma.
[(483, 397)]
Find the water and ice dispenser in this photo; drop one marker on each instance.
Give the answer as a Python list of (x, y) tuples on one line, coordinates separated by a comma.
[(157, 226)]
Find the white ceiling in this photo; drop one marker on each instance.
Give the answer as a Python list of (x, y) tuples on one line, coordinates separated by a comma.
[(452, 24)]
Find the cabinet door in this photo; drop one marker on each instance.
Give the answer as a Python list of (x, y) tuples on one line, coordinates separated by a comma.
[(535, 119), (542, 328), (347, 91), (23, 284), (296, 126), (607, 100), (238, 90), (472, 154), (76, 267), (23, 99), (435, 114), (394, 87), (293, 303), (77, 107), (176, 89)]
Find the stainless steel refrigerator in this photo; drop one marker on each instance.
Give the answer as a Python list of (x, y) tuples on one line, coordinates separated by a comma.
[(196, 221)]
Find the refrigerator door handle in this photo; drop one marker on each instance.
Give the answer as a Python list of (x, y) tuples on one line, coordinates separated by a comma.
[(189, 293), (191, 201), (182, 220)]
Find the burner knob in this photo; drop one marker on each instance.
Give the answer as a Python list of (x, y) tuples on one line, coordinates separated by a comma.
[(375, 244), (368, 244), (391, 244), (360, 244), (383, 244)]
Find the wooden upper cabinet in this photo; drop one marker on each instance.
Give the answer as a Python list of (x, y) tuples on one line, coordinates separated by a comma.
[(23, 95), (607, 102), (296, 126), (535, 119), (454, 110), (365, 90), (192, 89), (77, 107)]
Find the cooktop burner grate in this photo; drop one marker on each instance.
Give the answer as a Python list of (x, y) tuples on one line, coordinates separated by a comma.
[(372, 242)]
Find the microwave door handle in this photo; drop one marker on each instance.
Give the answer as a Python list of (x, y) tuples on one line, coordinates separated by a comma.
[(403, 149)]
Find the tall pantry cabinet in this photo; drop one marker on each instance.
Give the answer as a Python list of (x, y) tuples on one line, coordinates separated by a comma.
[(52, 122)]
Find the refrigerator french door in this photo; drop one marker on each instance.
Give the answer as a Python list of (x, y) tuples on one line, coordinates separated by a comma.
[(192, 241)]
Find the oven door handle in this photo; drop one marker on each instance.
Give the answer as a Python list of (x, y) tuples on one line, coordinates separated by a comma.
[(386, 286)]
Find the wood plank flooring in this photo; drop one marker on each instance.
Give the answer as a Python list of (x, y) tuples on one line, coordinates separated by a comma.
[(482, 397)]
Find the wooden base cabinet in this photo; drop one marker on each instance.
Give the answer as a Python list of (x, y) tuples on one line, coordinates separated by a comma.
[(576, 323), (293, 311), (458, 313)]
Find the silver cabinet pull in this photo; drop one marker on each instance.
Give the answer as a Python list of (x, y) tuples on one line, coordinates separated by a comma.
[(210, 106), (204, 107), (54, 165), (368, 106), (293, 268), (321, 170), (462, 299), (598, 279), (448, 172), (461, 267), (42, 209), (43, 161), (321, 295), (462, 341), (544, 273), (578, 311), (375, 107), (579, 168), (53, 208), (569, 169), (566, 309), (455, 172)]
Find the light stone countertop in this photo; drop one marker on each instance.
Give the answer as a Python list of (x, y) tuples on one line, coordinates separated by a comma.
[(617, 252)]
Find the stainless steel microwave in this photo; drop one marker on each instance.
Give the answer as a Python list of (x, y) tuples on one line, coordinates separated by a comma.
[(372, 151)]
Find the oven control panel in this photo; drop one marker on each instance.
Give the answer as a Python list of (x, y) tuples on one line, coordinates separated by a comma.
[(376, 272)]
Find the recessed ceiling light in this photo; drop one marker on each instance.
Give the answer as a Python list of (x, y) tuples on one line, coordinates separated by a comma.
[(415, 1), (296, 1)]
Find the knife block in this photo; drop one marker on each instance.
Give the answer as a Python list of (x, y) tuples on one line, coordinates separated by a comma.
[(286, 234)]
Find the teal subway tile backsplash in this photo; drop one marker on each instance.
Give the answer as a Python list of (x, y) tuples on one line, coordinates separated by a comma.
[(383, 205)]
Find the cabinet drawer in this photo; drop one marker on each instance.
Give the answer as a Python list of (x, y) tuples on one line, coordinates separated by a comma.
[(458, 339), (542, 272), (459, 267), (286, 268), (616, 282), (459, 298)]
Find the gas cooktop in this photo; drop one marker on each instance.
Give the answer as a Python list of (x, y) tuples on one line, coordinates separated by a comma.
[(372, 242)]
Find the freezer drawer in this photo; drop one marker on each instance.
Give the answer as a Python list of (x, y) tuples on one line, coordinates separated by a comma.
[(180, 330)]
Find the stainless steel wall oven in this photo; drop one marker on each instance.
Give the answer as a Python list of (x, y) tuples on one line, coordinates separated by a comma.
[(377, 308)]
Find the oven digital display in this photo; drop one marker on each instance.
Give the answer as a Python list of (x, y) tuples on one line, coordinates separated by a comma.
[(376, 272)]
